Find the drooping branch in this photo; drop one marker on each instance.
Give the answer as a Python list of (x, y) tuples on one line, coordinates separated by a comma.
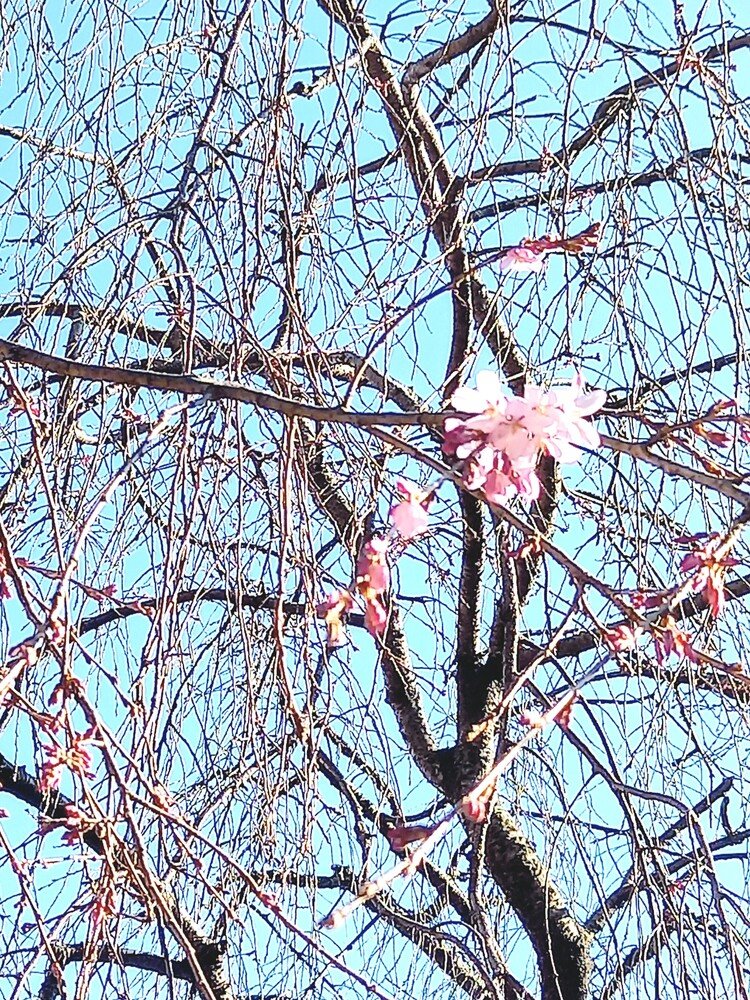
[(605, 115), (631, 883), (204, 956)]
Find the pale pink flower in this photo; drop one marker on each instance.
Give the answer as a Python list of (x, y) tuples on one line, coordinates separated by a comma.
[(409, 517), (460, 439), (499, 485), (333, 611), (572, 403), (489, 400), (507, 479), (552, 421), (519, 435), (372, 569), (523, 259), (502, 443)]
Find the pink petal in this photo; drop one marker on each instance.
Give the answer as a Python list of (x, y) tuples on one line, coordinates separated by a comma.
[(409, 519)]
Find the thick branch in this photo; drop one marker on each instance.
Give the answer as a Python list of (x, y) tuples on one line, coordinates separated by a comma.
[(561, 944), (404, 697), (456, 47), (65, 954), (19, 783), (472, 707)]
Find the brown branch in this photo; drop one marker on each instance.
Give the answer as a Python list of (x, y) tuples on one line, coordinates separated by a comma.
[(448, 953), (456, 47), (604, 116), (205, 957), (582, 642), (188, 385), (402, 688), (254, 602), (630, 182), (106, 318), (630, 884), (65, 954), (22, 785), (648, 949), (437, 189)]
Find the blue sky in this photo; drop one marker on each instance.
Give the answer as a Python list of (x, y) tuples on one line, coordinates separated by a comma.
[(578, 312)]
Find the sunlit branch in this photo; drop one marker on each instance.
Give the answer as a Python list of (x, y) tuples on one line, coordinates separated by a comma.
[(605, 115)]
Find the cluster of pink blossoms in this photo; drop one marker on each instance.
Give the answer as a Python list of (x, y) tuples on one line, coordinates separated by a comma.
[(76, 758), (501, 443), (706, 567), (409, 519), (531, 255)]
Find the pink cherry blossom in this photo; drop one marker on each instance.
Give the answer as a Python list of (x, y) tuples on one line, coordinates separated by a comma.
[(460, 439), (530, 255), (552, 421), (507, 479), (474, 804), (673, 640), (531, 718), (501, 443), (489, 401), (409, 517), (333, 611), (373, 578), (708, 569), (523, 259), (376, 616), (77, 758)]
